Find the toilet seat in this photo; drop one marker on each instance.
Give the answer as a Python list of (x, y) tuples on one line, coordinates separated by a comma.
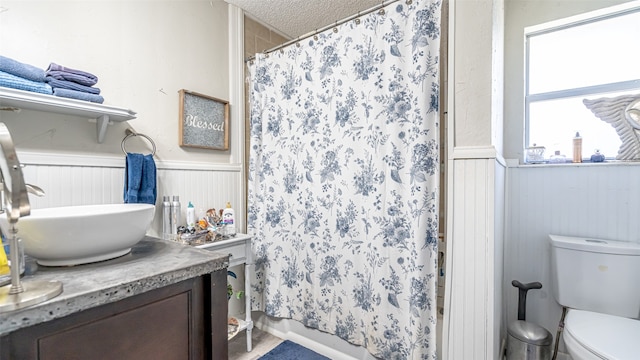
[(590, 335)]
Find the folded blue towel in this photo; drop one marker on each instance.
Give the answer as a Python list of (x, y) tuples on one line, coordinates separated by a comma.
[(63, 84), (78, 79), (79, 95), (140, 179), (16, 82), (22, 70), (79, 76)]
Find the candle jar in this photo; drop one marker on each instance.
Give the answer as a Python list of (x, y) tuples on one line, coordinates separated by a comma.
[(535, 154)]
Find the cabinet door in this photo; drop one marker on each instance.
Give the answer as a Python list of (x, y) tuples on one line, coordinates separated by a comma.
[(166, 323)]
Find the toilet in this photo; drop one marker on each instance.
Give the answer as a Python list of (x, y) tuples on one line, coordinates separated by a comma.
[(599, 282)]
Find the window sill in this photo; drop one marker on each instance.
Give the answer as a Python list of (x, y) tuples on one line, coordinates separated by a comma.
[(515, 163)]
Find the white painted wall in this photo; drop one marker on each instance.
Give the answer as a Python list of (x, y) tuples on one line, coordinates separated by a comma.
[(143, 52), (472, 71), (473, 319), (593, 200), (71, 180), (473, 312)]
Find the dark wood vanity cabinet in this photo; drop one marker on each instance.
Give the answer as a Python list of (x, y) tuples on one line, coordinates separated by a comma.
[(186, 320)]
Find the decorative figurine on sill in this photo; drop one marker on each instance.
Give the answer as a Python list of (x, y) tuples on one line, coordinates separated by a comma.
[(623, 114)]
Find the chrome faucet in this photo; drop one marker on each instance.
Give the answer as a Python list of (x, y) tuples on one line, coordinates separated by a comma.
[(16, 205), (31, 189), (16, 201)]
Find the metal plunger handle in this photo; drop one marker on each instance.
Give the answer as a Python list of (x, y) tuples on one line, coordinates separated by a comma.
[(522, 295)]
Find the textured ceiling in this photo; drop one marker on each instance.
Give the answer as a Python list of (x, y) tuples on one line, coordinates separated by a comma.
[(294, 18)]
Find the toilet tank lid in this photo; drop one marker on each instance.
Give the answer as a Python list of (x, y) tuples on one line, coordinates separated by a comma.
[(595, 245)]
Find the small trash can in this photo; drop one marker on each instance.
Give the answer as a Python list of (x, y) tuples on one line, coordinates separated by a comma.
[(528, 341)]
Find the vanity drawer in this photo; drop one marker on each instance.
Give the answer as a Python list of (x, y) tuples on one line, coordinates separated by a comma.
[(236, 248), (237, 253)]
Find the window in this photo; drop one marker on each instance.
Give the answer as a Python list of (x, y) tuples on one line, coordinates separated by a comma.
[(588, 56)]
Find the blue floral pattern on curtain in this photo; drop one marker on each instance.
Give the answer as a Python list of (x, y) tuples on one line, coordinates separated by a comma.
[(344, 180)]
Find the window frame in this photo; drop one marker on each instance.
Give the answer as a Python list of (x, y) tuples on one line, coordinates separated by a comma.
[(566, 23)]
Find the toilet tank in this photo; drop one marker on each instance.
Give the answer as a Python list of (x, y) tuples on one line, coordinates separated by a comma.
[(596, 275)]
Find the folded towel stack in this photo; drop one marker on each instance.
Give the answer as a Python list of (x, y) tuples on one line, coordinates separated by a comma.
[(72, 83), (21, 76)]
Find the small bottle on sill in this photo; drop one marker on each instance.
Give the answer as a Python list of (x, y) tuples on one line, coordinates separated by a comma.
[(577, 148), (597, 157)]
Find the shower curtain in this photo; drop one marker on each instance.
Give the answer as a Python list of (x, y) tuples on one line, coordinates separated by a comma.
[(343, 180)]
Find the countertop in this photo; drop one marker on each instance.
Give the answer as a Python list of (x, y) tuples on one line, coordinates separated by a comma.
[(152, 264), (224, 242)]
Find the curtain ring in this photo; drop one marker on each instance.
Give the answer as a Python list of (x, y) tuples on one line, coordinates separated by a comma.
[(357, 19), (409, 2), (315, 36), (130, 133)]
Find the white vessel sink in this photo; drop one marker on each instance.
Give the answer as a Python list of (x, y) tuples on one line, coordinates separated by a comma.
[(76, 235)]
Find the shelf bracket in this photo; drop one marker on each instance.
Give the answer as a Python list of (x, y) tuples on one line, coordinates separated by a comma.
[(102, 122)]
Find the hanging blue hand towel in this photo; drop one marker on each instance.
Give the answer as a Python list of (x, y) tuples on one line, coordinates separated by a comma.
[(140, 179), (132, 177), (148, 190)]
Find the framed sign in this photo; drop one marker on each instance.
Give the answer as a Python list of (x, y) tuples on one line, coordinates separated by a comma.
[(204, 121)]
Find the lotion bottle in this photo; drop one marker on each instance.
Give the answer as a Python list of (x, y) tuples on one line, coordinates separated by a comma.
[(228, 218), (191, 216), (577, 148)]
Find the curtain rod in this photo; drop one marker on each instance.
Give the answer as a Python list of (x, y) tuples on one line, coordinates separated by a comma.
[(334, 25)]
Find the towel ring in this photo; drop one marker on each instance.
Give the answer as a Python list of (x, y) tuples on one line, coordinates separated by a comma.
[(130, 133)]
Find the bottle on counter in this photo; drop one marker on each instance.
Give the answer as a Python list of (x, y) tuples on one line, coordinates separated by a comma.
[(228, 219), (577, 148), (191, 216), (175, 216), (166, 218)]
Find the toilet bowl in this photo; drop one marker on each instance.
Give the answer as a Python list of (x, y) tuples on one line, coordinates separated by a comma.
[(595, 336), (596, 280)]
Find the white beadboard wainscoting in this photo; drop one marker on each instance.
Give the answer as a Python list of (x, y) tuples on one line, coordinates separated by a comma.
[(591, 200), (70, 179), (473, 316)]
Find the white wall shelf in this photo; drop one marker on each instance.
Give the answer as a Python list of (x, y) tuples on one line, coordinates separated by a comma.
[(12, 99)]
